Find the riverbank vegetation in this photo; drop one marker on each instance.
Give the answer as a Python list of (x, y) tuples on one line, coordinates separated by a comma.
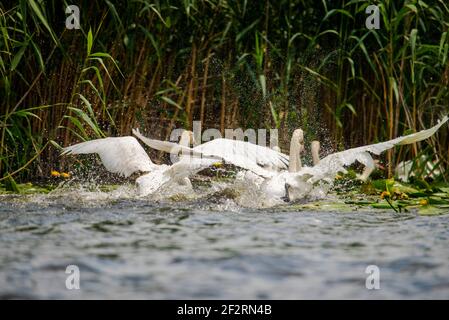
[(349, 195), (159, 65)]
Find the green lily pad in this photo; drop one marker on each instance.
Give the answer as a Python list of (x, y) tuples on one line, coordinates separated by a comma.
[(437, 200), (403, 188), (382, 205), (441, 195), (430, 210), (418, 194)]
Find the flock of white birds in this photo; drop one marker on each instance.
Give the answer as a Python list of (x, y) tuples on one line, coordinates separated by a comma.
[(277, 176)]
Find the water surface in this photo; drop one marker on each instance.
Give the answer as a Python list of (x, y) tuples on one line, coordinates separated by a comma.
[(136, 248)]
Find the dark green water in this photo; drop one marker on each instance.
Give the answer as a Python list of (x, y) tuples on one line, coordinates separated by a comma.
[(134, 248)]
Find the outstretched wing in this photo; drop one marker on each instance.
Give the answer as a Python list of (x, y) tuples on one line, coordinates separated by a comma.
[(330, 165), (173, 148), (258, 159), (244, 154), (122, 155)]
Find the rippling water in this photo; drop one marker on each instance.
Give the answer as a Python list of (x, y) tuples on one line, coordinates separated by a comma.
[(135, 248)]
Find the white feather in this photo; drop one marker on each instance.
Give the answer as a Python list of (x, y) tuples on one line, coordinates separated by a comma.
[(258, 159), (333, 163), (122, 155)]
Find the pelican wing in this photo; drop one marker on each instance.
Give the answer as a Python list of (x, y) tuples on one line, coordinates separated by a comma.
[(330, 165), (259, 159), (122, 155), (188, 166), (171, 147)]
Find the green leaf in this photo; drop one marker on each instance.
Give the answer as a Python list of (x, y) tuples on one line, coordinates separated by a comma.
[(275, 115), (95, 89), (56, 145), (350, 107), (39, 56), (412, 7), (94, 126), (245, 31), (25, 114), (11, 185), (171, 102), (38, 12), (15, 61), (77, 124), (389, 183), (263, 84), (335, 11), (413, 35), (89, 42), (394, 84)]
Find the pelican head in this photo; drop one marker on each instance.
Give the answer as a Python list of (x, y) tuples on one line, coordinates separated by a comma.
[(296, 147), (315, 149)]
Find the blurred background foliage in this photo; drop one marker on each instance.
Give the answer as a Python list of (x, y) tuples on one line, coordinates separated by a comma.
[(251, 64)]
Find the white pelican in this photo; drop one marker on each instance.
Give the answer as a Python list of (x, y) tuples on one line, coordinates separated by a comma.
[(315, 150), (185, 140), (125, 156), (296, 147), (299, 184), (260, 160), (273, 189), (267, 168)]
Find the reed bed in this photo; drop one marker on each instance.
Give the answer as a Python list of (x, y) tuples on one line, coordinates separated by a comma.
[(160, 65)]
